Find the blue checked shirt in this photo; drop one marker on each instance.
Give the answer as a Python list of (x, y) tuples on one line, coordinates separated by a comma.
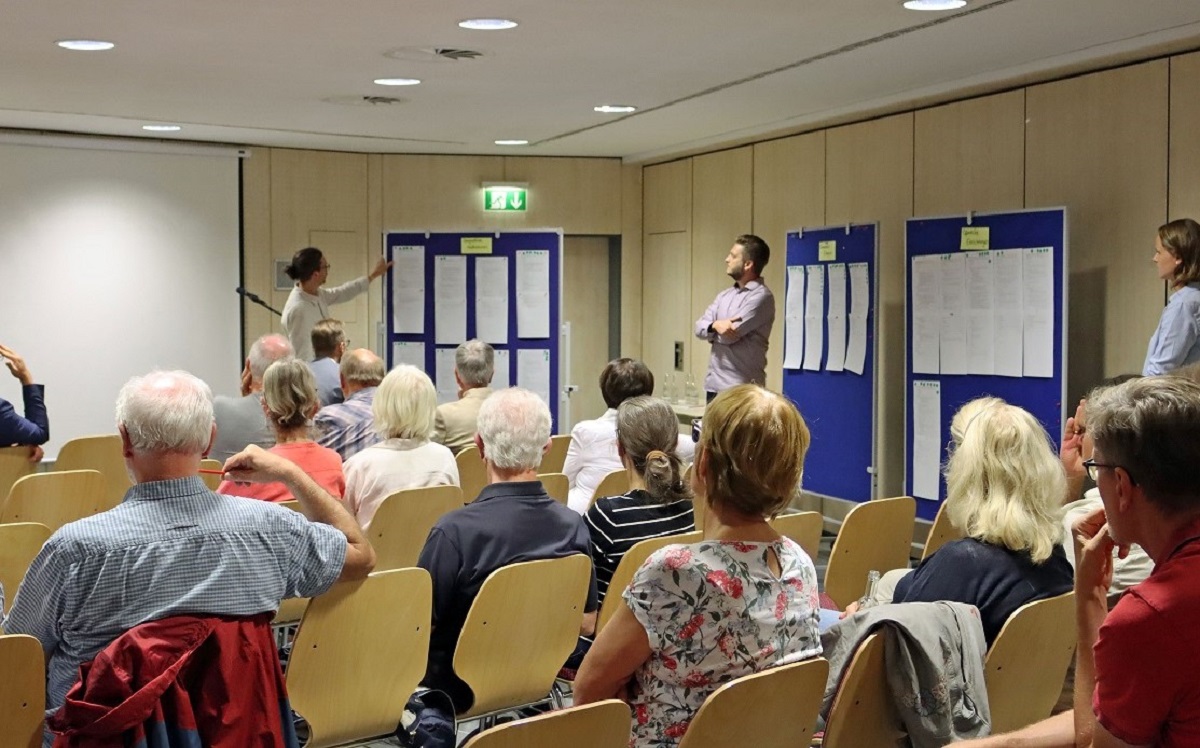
[(348, 428), (172, 547)]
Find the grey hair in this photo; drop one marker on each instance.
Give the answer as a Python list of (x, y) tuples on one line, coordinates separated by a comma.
[(165, 412), (1151, 428), (267, 350), (290, 392), (648, 432), (362, 366), (475, 362), (514, 426), (405, 404)]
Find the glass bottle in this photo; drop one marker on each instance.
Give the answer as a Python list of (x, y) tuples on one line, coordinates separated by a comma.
[(868, 598), (669, 388), (691, 395)]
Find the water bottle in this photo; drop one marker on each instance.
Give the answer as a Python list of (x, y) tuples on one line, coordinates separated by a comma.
[(669, 392), (691, 394), (868, 599)]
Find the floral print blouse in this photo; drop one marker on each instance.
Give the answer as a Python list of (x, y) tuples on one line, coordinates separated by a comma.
[(714, 611)]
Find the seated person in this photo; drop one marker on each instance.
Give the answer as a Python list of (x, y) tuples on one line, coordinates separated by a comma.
[(742, 600), (174, 547), (240, 420), (32, 429), (348, 427), (592, 453), (403, 410), (455, 425), (329, 343), (513, 520), (289, 401)]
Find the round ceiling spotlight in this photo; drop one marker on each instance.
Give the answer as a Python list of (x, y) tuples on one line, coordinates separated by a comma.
[(397, 81), (614, 109), (512, 142), (162, 128), (487, 24), (85, 45), (934, 4)]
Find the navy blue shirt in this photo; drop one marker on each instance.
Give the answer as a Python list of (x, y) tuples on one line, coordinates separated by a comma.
[(508, 523), (34, 428), (994, 579)]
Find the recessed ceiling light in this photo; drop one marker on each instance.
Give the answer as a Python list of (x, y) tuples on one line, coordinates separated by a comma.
[(614, 109), (487, 24), (934, 4), (162, 128), (512, 142), (85, 45), (397, 81)]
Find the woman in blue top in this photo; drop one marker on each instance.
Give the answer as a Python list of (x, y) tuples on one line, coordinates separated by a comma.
[(1176, 342)]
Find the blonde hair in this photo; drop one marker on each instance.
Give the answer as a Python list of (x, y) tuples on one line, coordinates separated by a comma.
[(754, 441), (405, 404), (1004, 482), (290, 392)]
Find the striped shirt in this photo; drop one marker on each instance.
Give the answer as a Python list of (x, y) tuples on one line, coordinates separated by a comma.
[(618, 523), (348, 427), (172, 547)]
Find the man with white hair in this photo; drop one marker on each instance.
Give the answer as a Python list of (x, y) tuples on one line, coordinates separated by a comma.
[(241, 420), (474, 364), (512, 520), (173, 547)]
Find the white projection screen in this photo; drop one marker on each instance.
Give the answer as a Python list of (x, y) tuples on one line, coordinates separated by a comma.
[(114, 263)]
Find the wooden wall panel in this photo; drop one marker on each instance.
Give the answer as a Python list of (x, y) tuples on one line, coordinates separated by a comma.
[(789, 193), (631, 261), (257, 268), (869, 177), (666, 302), (1184, 196), (585, 306), (1098, 145), (970, 156), (668, 197), (579, 195), (437, 193)]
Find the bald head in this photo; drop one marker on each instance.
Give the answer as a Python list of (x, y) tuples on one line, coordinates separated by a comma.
[(360, 369), (267, 350)]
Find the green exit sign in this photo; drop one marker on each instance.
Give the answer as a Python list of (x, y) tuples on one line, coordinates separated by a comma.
[(507, 199)]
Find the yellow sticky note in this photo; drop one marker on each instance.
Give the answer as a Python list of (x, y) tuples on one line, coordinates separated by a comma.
[(827, 251), (476, 245), (976, 237)]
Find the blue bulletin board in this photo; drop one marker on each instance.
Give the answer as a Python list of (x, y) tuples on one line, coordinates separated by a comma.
[(1035, 379), (838, 406), (473, 247)]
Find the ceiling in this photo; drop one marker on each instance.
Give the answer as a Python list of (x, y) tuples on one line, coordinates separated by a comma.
[(701, 72)]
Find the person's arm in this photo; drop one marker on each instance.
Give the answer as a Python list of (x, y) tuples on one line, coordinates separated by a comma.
[(34, 428), (574, 461), (1177, 335), (349, 290), (439, 427), (1071, 453), (441, 557), (706, 320), (758, 312), (39, 607), (256, 465), (1093, 575), (618, 652)]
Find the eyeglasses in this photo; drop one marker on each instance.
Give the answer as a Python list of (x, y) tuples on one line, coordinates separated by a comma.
[(1093, 468), (324, 266)]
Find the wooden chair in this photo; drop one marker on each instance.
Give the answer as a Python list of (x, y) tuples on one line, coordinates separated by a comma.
[(802, 527), (604, 724), (1027, 663), (101, 453), (14, 465), (556, 456), (862, 713), (630, 563), (615, 483), (360, 652), (785, 699), (875, 535), (211, 480), (508, 656), (294, 505), (19, 544), (55, 498), (472, 475), (22, 691), (942, 531), (557, 485), (403, 520)]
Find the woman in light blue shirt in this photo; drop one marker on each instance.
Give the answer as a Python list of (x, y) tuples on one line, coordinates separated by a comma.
[(1176, 342)]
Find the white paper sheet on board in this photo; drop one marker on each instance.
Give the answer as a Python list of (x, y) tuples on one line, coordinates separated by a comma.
[(447, 387), (1038, 289), (836, 318), (953, 333), (793, 319), (927, 438), (814, 318), (533, 372), (925, 355), (980, 337), (860, 305), (449, 299), (408, 290), (491, 299), (412, 354), (1008, 306), (533, 293), (501, 376)]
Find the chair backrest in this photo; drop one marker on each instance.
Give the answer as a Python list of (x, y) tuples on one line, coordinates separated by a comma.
[(862, 713), (55, 498), (19, 544), (101, 453), (472, 475), (14, 465), (875, 535), (784, 700), (1028, 661), (361, 650), (941, 532), (557, 485), (212, 480), (804, 528), (556, 456), (603, 724), (630, 563), (22, 691), (616, 483), (521, 628), (403, 520), (294, 505)]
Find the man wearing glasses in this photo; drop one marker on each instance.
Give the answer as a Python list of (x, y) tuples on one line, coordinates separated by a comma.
[(1136, 682)]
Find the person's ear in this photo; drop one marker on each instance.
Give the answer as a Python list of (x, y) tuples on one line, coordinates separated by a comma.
[(1126, 489), (127, 445), (479, 446), (212, 439), (620, 449)]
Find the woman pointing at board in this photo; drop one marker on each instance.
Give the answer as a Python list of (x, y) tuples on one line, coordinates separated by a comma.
[(309, 303), (1176, 342)]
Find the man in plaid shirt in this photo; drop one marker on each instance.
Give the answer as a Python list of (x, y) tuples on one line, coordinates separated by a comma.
[(348, 427)]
